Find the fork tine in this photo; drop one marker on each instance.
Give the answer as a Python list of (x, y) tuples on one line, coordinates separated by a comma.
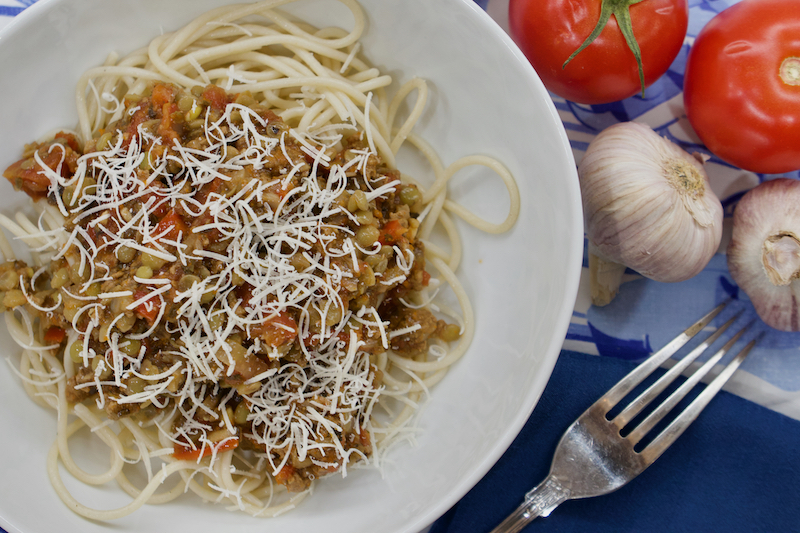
[(688, 415), (637, 375), (674, 399), (655, 417), (644, 399)]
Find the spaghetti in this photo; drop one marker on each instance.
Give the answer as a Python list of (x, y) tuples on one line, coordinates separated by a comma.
[(228, 278)]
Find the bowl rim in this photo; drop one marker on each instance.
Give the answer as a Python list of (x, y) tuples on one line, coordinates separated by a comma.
[(576, 249)]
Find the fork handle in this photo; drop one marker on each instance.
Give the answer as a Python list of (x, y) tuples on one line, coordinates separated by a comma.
[(540, 501)]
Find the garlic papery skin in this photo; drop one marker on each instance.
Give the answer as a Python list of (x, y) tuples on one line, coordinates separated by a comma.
[(764, 251), (648, 206)]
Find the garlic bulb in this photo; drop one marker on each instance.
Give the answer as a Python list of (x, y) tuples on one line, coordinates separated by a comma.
[(648, 206), (764, 251)]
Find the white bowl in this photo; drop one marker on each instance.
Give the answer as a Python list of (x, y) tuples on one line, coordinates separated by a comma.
[(485, 99)]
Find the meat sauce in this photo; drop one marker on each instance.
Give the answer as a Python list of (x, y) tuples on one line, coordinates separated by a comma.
[(159, 123)]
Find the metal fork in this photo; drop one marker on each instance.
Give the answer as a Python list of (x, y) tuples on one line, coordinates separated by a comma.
[(593, 458)]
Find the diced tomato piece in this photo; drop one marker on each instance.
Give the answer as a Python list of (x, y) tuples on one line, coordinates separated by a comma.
[(364, 438), (138, 118), (208, 189), (186, 453), (284, 474), (391, 233), (69, 139), (216, 97), (148, 309), (311, 340), (171, 225), (276, 331), (344, 336), (28, 176), (244, 292), (166, 130), (29, 180), (426, 278), (162, 94), (163, 206), (54, 335), (280, 190)]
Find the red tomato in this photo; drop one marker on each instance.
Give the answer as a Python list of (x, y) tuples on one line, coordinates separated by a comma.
[(742, 85), (549, 31)]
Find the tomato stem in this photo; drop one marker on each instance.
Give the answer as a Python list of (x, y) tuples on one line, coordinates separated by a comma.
[(621, 11)]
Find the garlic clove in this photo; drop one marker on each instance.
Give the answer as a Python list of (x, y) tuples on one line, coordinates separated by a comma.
[(647, 205), (764, 251)]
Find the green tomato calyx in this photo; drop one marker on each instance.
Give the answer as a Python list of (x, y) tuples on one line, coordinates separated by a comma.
[(621, 11)]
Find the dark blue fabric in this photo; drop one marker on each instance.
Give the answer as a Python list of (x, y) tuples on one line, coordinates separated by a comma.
[(736, 469)]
